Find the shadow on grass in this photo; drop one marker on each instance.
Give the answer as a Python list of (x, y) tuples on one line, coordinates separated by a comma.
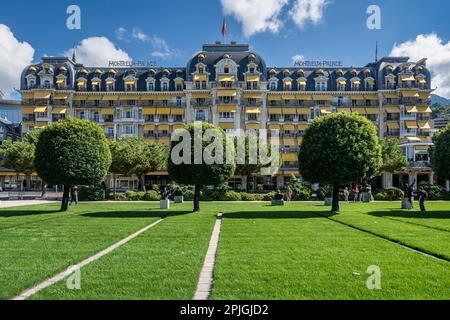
[(23, 213), (277, 215), (412, 214), (151, 213)]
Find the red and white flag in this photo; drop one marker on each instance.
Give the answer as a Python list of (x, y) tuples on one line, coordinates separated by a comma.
[(224, 27)]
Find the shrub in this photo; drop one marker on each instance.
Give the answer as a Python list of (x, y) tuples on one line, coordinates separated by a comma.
[(303, 194), (380, 196), (134, 196), (90, 193), (394, 194), (231, 196), (270, 196), (119, 197), (259, 187), (247, 196), (155, 187), (152, 196)]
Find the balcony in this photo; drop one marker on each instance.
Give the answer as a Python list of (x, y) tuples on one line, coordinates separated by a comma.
[(225, 101), (420, 164), (202, 103)]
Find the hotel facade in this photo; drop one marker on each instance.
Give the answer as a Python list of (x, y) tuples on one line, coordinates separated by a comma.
[(232, 87)]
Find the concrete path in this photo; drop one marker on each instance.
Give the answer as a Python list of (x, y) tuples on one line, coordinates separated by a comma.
[(20, 203), (69, 271), (206, 281)]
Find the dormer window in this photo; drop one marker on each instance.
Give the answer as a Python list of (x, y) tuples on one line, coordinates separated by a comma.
[(226, 69), (356, 84), (110, 84), (165, 86), (130, 85), (151, 86), (47, 84), (95, 84), (341, 83), (273, 86)]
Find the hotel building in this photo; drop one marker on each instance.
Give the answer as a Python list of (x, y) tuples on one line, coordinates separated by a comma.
[(232, 87)]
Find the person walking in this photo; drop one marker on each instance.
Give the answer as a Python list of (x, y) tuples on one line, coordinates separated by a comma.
[(356, 193), (423, 195), (346, 194), (74, 195), (289, 193), (369, 192)]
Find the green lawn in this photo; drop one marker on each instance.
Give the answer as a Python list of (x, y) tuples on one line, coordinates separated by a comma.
[(299, 251)]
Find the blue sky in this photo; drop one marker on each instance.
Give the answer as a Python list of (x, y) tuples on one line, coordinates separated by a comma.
[(171, 31)]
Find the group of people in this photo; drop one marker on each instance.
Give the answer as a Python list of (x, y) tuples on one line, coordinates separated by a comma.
[(358, 193), (410, 194)]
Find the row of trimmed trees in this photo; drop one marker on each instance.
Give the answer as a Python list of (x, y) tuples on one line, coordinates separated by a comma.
[(338, 149)]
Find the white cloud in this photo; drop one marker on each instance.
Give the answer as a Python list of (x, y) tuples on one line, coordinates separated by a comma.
[(430, 46), (14, 57), (120, 33), (98, 51), (297, 57), (305, 11), (162, 50), (139, 35), (256, 15)]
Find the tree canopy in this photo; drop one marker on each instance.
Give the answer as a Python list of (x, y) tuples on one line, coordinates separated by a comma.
[(339, 149), (394, 158), (195, 169), (70, 153), (135, 156), (440, 153)]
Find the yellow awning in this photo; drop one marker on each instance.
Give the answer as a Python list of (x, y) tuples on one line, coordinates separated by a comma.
[(305, 97), (411, 124), (395, 109), (287, 82), (356, 82), (288, 97), (292, 142), (149, 127), (59, 110), (407, 78), (41, 125), (289, 111), (28, 110), (301, 82), (200, 95), (422, 148), (253, 77), (325, 110), (359, 110), (357, 97), (411, 109), (200, 77), (42, 94), (163, 111), (226, 108), (274, 126), (391, 95), (424, 125), (110, 97), (424, 95), (162, 127), (177, 111), (129, 97), (303, 126), (79, 97), (289, 127), (93, 97), (108, 111), (274, 111), (303, 111), (413, 139), (322, 97), (422, 81), (342, 82), (60, 96), (347, 110), (252, 110), (372, 96), (162, 97), (177, 126), (226, 93), (253, 125), (27, 95), (274, 97), (227, 78), (410, 94), (40, 109), (252, 95), (291, 157), (130, 82), (226, 125), (393, 124), (424, 109), (373, 110), (148, 111)]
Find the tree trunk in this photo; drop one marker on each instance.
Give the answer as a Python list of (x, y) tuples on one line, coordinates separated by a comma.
[(44, 190), (65, 199), (197, 198), (142, 182), (335, 206)]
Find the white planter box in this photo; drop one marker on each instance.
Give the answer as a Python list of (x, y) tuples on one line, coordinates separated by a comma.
[(164, 204), (178, 199)]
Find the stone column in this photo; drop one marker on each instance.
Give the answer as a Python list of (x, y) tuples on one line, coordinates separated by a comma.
[(387, 180), (263, 114), (280, 181), (188, 111), (381, 122), (447, 185), (432, 178)]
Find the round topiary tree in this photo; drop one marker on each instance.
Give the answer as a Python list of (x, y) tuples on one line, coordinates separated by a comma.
[(70, 153), (340, 149), (440, 153), (201, 155)]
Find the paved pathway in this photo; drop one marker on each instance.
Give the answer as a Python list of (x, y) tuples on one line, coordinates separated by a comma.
[(206, 281), (69, 271), (19, 203)]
